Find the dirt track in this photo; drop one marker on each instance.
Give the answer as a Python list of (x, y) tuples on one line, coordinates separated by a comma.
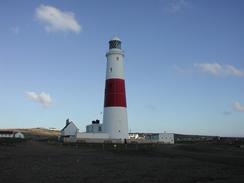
[(41, 162)]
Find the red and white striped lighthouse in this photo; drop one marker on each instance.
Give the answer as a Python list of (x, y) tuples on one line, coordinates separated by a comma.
[(115, 122)]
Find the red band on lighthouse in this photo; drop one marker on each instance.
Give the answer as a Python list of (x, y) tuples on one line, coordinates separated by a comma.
[(115, 93)]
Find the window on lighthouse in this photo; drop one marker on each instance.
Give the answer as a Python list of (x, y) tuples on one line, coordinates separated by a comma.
[(111, 69), (114, 44)]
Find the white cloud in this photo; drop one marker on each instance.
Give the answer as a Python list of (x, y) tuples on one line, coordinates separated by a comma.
[(238, 106), (43, 98), (57, 20), (219, 69)]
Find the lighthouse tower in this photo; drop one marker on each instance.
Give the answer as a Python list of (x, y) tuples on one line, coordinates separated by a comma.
[(115, 122)]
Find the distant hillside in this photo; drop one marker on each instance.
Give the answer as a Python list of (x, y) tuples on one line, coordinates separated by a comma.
[(36, 132)]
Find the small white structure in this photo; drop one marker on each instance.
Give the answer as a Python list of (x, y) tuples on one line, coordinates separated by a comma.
[(53, 129), (137, 136), (95, 127), (133, 136), (70, 130), (19, 135), (166, 138), (94, 133)]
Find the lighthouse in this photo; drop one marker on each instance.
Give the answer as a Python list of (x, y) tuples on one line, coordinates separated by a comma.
[(115, 122)]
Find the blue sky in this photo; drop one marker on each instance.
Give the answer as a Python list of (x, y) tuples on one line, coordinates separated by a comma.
[(184, 63)]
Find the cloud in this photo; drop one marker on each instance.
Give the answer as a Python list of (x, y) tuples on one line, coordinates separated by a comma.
[(238, 106), (56, 20), (174, 6), (43, 98), (219, 69)]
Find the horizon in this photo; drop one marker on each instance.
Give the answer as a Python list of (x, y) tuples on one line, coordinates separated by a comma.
[(43, 128), (184, 68)]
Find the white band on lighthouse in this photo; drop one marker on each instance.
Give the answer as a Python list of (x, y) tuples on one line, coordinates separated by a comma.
[(115, 67)]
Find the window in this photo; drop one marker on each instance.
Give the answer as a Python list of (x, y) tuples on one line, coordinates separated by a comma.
[(99, 128), (117, 58), (114, 44), (111, 69)]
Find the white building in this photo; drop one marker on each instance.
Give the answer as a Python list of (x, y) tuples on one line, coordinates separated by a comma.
[(137, 136), (95, 127), (54, 129), (166, 138), (70, 129)]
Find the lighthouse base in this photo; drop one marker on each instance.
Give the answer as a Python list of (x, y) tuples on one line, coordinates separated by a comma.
[(115, 122)]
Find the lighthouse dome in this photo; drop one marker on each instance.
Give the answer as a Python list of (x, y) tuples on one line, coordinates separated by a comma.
[(115, 38)]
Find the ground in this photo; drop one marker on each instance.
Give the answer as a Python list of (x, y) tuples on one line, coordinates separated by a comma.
[(42, 162)]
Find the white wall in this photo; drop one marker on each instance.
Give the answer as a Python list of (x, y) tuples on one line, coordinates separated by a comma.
[(115, 122), (115, 67), (167, 138), (92, 136), (133, 136), (94, 128), (70, 130)]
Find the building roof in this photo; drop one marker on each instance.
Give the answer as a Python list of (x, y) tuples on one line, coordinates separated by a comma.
[(67, 124)]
